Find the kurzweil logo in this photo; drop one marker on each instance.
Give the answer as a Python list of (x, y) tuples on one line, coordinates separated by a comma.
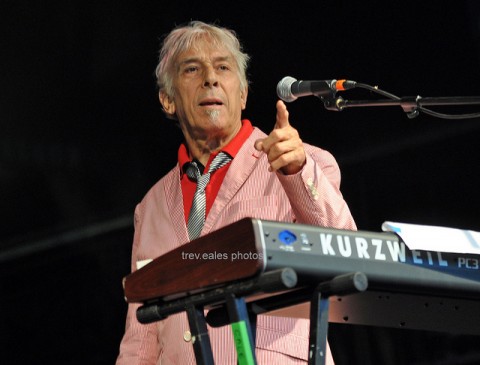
[(389, 250)]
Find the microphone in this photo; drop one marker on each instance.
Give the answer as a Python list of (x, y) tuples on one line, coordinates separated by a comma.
[(289, 89)]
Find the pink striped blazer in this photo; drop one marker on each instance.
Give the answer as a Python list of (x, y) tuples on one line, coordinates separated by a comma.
[(249, 190)]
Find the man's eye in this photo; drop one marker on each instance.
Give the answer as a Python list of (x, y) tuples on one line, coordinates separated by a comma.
[(190, 69), (224, 68)]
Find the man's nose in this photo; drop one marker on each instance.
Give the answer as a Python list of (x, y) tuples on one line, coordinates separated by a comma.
[(210, 78)]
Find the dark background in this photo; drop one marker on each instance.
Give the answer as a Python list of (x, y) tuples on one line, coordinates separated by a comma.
[(82, 138)]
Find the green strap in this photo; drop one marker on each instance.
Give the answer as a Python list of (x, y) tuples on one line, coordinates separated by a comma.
[(242, 343)]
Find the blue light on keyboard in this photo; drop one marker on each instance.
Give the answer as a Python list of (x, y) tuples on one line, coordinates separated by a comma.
[(287, 237)]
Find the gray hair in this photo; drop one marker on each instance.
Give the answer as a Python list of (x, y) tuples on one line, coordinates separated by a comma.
[(184, 37)]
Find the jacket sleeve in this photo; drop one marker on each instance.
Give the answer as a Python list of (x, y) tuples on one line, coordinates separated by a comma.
[(139, 345), (314, 192)]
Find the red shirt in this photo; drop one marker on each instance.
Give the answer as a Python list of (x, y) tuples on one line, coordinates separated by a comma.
[(216, 178)]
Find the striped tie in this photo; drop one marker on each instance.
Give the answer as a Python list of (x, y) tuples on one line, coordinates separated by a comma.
[(196, 219)]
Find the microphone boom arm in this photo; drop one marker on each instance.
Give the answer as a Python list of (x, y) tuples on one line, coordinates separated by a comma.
[(411, 105)]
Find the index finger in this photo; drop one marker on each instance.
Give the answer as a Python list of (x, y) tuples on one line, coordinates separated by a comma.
[(282, 115)]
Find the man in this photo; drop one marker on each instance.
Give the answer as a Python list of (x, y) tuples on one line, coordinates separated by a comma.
[(203, 86)]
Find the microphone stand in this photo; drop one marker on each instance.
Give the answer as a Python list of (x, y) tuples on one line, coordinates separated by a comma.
[(410, 104)]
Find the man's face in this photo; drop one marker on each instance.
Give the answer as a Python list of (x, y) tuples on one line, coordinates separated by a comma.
[(208, 99)]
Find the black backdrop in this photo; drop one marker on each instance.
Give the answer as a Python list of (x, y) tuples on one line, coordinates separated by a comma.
[(83, 138)]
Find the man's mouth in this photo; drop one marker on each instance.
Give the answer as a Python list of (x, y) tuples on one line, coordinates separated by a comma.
[(211, 102)]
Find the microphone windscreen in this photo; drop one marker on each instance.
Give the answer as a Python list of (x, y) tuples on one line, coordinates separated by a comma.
[(284, 89)]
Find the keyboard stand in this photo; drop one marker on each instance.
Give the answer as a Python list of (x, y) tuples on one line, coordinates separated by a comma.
[(228, 306)]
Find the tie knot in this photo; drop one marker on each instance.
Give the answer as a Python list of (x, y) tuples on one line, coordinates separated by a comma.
[(193, 170)]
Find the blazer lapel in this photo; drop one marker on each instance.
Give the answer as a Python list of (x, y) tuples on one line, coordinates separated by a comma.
[(238, 172)]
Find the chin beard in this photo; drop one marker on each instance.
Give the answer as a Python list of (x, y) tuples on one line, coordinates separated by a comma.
[(213, 114)]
